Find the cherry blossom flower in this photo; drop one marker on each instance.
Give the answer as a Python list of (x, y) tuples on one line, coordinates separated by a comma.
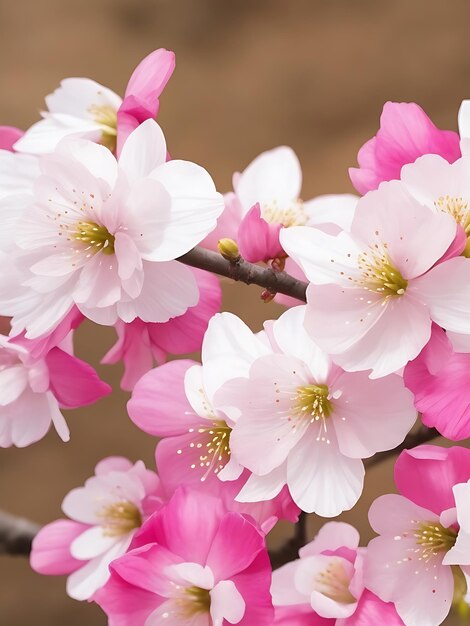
[(405, 134), (325, 585), (192, 564), (103, 235), (443, 187), (266, 198), (301, 420), (171, 402), (141, 344), (104, 516), (80, 107), (421, 534), (34, 386), (376, 290), (438, 378)]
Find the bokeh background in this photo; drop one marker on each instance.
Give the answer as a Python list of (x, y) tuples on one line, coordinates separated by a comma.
[(250, 75)]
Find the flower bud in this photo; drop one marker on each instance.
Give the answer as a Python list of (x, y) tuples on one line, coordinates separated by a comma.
[(228, 248)]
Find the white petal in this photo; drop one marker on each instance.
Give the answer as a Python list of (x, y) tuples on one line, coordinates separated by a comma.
[(91, 543), (227, 603), (143, 151)]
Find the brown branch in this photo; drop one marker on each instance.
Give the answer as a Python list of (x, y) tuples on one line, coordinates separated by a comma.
[(16, 534), (249, 273), (290, 550)]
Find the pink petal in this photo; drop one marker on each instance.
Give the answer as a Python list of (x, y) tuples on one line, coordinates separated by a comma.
[(405, 133), (9, 135), (257, 239), (141, 99), (234, 547), (73, 382), (426, 474), (158, 405), (371, 610), (253, 584), (50, 553)]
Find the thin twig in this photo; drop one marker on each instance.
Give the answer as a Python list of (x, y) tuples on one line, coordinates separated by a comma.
[(249, 273), (16, 534), (290, 550)]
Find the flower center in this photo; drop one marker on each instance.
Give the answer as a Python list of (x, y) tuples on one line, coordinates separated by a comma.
[(432, 538), (379, 274), (95, 237), (215, 451), (120, 518), (460, 211), (333, 582), (310, 404), (106, 117), (294, 215), (197, 600)]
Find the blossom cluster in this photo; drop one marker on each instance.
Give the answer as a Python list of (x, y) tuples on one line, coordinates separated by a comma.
[(268, 425)]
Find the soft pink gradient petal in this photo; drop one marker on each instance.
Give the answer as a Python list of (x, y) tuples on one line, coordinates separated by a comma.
[(50, 552), (158, 405), (331, 536), (426, 475), (405, 133), (325, 482), (257, 239), (236, 544), (360, 430), (370, 611), (445, 289), (145, 86), (253, 584), (74, 382), (438, 378), (9, 135)]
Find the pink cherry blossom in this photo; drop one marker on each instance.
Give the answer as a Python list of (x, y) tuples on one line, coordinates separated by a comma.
[(171, 402), (443, 187), (80, 107), (104, 516), (439, 378), (35, 387), (103, 235), (171, 577), (141, 344), (325, 585), (267, 198), (301, 420), (376, 290), (421, 534), (405, 134)]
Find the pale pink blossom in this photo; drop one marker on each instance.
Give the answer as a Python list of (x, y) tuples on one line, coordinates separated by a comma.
[(301, 420), (171, 402), (34, 387), (80, 107), (103, 234), (443, 187), (266, 198), (375, 290), (325, 585), (405, 134), (193, 564), (142, 344), (421, 534), (439, 379), (104, 515)]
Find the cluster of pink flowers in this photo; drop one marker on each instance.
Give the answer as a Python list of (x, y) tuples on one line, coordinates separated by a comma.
[(270, 424)]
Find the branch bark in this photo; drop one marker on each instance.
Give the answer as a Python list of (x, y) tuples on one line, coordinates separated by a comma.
[(16, 534), (249, 273)]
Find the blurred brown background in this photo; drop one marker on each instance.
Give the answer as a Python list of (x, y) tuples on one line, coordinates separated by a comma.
[(250, 75)]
